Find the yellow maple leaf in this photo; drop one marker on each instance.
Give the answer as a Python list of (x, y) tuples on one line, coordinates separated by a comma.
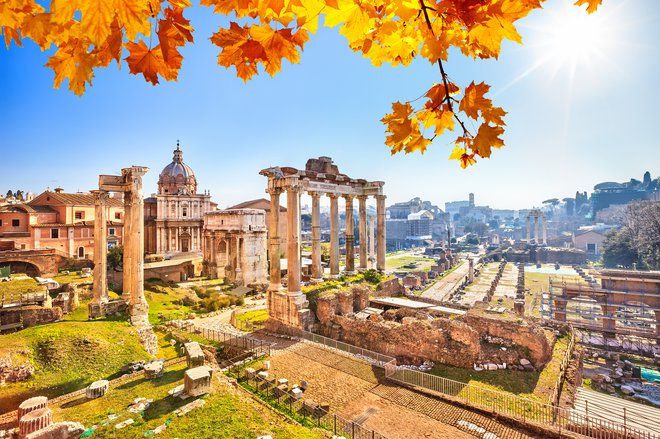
[(148, 61), (134, 16), (74, 63), (97, 15), (398, 125), (111, 48)]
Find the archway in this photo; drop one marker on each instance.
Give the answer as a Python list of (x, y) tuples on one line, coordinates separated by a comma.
[(16, 267), (81, 252)]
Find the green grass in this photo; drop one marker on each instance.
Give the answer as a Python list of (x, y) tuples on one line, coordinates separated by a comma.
[(165, 301), (18, 286), (72, 278), (67, 356), (540, 282), (397, 263), (257, 316), (227, 413)]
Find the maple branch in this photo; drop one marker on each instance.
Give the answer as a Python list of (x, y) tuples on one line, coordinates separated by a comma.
[(448, 98)]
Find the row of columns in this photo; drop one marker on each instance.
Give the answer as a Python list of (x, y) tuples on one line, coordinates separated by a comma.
[(293, 236), (536, 229)]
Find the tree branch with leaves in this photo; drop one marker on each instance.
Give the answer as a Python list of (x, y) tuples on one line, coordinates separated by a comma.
[(91, 34)]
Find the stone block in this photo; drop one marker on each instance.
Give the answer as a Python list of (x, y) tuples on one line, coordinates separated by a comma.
[(153, 369), (297, 393), (194, 354), (266, 365), (197, 381), (97, 389), (250, 372), (282, 381), (34, 421), (60, 430), (262, 375), (281, 390), (29, 405)]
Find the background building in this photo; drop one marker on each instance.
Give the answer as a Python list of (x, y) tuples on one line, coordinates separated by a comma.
[(174, 217)]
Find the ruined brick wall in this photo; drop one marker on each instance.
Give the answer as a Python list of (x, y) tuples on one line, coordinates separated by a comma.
[(526, 335), (412, 340), (389, 288)]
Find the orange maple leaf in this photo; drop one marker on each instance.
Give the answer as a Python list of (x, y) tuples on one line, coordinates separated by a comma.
[(487, 137), (149, 62), (592, 5)]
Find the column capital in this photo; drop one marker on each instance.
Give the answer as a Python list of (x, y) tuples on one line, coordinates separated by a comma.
[(274, 191), (100, 195), (362, 197), (348, 198), (381, 197), (332, 195), (295, 187), (314, 194)]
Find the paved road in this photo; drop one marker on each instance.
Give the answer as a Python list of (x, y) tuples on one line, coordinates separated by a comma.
[(598, 405), (442, 289)]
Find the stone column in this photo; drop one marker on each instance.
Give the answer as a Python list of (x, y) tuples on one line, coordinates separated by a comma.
[(100, 286), (334, 235), (536, 230), (470, 270), (317, 270), (545, 230), (609, 317), (381, 244), (128, 245), (372, 242), (350, 247), (293, 244), (137, 229), (274, 240), (528, 229), (362, 212)]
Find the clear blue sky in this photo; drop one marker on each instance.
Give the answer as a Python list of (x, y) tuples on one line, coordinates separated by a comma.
[(568, 127)]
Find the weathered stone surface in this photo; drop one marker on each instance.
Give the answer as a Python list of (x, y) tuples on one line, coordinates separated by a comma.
[(194, 354), (345, 303), (153, 369), (197, 381), (60, 430), (325, 307), (97, 389), (35, 421), (32, 315), (32, 404), (388, 288)]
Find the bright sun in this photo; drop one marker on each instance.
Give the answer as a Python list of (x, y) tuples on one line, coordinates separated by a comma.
[(574, 47)]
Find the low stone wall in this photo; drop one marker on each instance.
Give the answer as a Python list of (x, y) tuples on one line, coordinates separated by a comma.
[(30, 315)]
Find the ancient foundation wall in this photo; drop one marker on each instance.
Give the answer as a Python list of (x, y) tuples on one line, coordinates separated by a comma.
[(30, 316)]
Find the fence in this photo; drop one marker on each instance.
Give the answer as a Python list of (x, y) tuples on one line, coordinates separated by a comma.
[(249, 345), (515, 407), (306, 412)]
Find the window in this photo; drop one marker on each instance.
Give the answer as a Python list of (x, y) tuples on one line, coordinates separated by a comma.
[(184, 212), (79, 214), (0, 223), (15, 223), (117, 215), (54, 233), (591, 249), (111, 232), (81, 252)]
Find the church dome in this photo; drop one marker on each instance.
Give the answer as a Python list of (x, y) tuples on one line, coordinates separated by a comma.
[(177, 177)]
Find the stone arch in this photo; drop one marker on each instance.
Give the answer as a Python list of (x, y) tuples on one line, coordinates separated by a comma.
[(23, 266)]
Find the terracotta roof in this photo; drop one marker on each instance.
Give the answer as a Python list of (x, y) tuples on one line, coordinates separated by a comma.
[(260, 203), (26, 208), (78, 199)]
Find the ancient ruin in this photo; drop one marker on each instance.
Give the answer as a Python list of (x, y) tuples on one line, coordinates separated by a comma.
[(130, 184), (235, 246), (320, 177), (537, 216)]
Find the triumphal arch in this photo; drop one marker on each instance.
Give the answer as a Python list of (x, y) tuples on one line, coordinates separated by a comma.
[(319, 178)]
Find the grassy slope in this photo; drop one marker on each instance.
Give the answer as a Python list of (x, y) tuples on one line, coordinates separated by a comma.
[(67, 356), (23, 285), (227, 413), (257, 316), (165, 301)]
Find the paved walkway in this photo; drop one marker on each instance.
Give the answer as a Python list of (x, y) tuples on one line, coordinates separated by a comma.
[(442, 289), (610, 408)]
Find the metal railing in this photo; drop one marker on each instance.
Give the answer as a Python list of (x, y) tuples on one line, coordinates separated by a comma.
[(556, 393), (306, 412)]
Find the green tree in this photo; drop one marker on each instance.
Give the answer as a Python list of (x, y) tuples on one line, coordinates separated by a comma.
[(619, 250), (115, 257)]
